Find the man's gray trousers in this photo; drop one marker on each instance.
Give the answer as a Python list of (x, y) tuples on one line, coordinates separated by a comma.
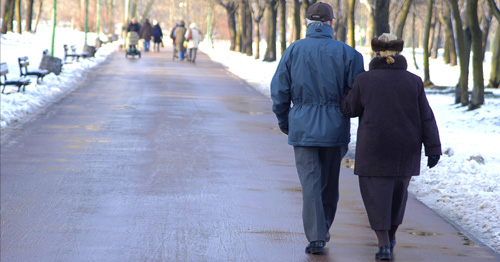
[(318, 169)]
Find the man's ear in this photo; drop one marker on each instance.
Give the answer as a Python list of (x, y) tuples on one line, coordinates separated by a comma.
[(331, 22)]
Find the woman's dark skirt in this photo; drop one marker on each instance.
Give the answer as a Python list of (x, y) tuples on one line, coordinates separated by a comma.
[(385, 200)]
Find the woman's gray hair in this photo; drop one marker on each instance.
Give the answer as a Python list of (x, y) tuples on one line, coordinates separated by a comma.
[(386, 37), (314, 22)]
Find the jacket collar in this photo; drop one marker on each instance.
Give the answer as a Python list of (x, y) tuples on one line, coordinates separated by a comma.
[(380, 63), (319, 31)]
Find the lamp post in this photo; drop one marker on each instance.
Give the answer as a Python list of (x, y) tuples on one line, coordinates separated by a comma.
[(54, 15)]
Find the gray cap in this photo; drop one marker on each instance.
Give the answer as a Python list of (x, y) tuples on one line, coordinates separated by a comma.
[(320, 12)]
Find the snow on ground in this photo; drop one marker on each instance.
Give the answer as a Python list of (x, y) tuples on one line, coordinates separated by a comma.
[(463, 187)]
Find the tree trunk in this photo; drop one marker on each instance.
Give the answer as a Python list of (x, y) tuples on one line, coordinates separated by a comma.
[(402, 18), (350, 23), (147, 10), (29, 15), (495, 61), (231, 7), (297, 25), (257, 17), (272, 14), (485, 25), (342, 29), (18, 17), (7, 15), (413, 44), (38, 15), (111, 9), (436, 39), (133, 10), (427, 78), (381, 17), (463, 93), (477, 98), (282, 18), (450, 45), (248, 30)]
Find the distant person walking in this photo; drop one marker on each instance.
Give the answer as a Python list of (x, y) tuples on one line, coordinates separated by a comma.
[(133, 26), (193, 36), (179, 40), (394, 120), (146, 34), (306, 90), (157, 36), (133, 36), (172, 36)]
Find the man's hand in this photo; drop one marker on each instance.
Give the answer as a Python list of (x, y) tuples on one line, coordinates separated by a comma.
[(432, 161), (284, 130)]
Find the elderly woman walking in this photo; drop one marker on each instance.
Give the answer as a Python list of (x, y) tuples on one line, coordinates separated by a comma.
[(395, 119)]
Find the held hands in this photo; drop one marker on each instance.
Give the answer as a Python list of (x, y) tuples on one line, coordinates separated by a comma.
[(432, 161)]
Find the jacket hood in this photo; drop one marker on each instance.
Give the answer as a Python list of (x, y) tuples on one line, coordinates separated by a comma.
[(319, 31)]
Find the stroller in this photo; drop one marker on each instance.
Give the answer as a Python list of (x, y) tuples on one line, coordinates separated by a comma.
[(132, 41)]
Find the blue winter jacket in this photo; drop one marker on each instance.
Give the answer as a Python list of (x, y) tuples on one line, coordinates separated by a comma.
[(308, 85)]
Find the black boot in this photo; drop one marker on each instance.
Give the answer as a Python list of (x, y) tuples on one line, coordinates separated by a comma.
[(316, 247), (384, 253)]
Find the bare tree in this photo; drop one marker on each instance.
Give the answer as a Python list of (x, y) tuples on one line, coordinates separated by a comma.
[(350, 23), (341, 34), (29, 15), (18, 17), (449, 42), (257, 9), (231, 7), (495, 61), (272, 13), (462, 94), (7, 15), (402, 18), (282, 18), (297, 25), (477, 98), (427, 80), (381, 12), (38, 16)]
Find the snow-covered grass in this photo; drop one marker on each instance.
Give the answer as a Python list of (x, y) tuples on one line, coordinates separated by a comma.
[(463, 187)]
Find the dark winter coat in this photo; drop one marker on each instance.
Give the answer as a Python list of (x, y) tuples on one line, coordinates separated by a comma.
[(157, 33), (394, 120), (308, 84), (134, 27), (179, 38), (146, 31)]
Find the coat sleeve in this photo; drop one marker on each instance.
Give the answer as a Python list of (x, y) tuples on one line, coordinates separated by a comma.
[(280, 91), (351, 104), (430, 133), (355, 67)]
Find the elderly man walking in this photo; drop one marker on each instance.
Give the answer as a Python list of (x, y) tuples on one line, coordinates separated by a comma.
[(306, 91)]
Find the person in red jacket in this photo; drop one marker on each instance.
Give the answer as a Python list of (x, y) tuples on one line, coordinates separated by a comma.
[(395, 119)]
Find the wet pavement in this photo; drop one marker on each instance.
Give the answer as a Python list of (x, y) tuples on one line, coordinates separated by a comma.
[(155, 160)]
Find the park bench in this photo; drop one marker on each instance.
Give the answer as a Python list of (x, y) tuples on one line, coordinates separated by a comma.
[(73, 53), (21, 82), (23, 70)]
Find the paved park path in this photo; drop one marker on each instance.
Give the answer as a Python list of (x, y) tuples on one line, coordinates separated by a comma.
[(156, 160)]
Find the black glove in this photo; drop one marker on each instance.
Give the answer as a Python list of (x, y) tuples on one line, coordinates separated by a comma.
[(284, 130), (432, 161)]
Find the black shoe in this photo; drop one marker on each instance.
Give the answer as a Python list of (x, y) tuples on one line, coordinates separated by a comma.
[(316, 247), (384, 253), (393, 244)]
